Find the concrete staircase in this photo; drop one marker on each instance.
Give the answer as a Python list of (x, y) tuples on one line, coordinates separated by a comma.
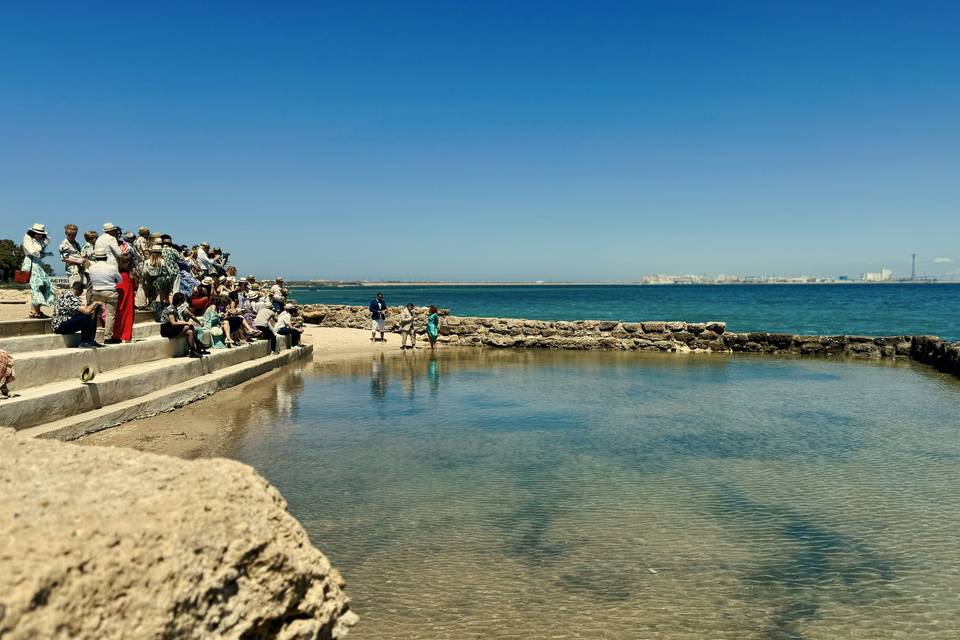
[(142, 378)]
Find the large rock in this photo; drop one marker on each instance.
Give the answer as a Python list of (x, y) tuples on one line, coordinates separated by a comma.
[(113, 543)]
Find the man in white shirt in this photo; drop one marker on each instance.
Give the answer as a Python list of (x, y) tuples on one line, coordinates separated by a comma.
[(264, 323), (285, 325), (70, 254), (203, 259), (279, 295), (104, 278), (108, 242)]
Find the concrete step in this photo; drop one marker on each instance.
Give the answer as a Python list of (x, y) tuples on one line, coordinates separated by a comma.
[(28, 327), (53, 341), (164, 399), (58, 400), (36, 368)]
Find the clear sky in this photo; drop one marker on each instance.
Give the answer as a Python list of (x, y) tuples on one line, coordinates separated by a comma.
[(493, 140)]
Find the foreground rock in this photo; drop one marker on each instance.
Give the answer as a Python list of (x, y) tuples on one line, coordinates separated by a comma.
[(113, 543)]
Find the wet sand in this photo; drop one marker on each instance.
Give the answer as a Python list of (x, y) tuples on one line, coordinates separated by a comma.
[(197, 430)]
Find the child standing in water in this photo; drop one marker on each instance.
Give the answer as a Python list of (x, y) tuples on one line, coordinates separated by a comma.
[(433, 326)]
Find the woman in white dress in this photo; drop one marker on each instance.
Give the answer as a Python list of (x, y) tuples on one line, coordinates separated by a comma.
[(34, 251)]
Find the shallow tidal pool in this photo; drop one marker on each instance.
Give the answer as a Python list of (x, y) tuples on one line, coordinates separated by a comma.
[(503, 494)]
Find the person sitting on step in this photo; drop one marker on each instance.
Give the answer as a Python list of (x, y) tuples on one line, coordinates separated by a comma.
[(286, 327), (176, 325), (71, 315)]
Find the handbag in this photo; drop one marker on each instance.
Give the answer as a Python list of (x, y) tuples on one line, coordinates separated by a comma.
[(21, 277)]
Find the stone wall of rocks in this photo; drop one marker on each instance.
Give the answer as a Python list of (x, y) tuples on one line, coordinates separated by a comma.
[(643, 336), (938, 353)]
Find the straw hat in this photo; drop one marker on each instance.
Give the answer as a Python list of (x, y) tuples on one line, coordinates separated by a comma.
[(109, 226), (100, 253), (290, 306), (207, 281), (143, 230), (157, 248), (253, 295), (36, 227)]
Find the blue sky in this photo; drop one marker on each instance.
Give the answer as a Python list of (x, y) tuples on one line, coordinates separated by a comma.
[(493, 140)]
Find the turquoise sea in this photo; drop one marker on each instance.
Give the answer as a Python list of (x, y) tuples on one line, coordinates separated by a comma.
[(854, 309), (485, 495)]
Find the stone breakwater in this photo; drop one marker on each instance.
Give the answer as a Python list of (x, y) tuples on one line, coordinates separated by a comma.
[(100, 543), (644, 336)]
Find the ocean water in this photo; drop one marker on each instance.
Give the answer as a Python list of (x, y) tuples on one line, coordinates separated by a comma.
[(853, 309), (540, 495)]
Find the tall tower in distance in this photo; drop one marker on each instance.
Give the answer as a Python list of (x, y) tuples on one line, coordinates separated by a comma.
[(913, 267)]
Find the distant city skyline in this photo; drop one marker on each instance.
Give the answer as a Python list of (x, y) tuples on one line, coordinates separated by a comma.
[(494, 141)]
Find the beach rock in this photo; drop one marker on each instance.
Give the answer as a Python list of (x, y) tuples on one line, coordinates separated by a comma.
[(717, 327), (654, 327), (675, 326), (696, 328), (103, 543)]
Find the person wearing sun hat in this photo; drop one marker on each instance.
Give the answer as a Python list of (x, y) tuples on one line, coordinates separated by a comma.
[(34, 245), (108, 241), (104, 278)]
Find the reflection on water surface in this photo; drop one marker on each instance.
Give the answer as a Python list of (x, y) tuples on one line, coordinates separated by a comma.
[(598, 495)]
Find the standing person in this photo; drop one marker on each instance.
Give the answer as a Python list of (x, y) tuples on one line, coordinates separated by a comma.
[(71, 256), (123, 324), (34, 245), (143, 242), (71, 315), (87, 251), (378, 318), (278, 294), (406, 327), (109, 242), (6, 374), (104, 279), (433, 326), (285, 326)]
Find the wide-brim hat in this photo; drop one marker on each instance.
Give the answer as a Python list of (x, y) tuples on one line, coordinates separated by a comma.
[(253, 295), (157, 248), (143, 230), (36, 227), (205, 244), (255, 286), (100, 253), (207, 281), (279, 279), (290, 306), (109, 226)]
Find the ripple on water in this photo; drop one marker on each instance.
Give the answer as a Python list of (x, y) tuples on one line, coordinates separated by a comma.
[(498, 495)]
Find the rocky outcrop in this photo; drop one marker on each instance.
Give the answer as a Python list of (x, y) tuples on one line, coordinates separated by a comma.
[(621, 336), (938, 353), (112, 543)]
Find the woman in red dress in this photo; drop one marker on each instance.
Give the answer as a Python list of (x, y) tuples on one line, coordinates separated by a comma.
[(123, 324)]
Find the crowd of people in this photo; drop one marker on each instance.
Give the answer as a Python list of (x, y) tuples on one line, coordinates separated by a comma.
[(193, 291)]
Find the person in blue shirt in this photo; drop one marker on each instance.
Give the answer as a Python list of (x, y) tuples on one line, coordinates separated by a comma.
[(378, 318), (433, 326)]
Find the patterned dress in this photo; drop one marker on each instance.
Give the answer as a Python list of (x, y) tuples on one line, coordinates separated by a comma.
[(41, 289)]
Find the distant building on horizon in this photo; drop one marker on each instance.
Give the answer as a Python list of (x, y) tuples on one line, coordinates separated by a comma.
[(884, 275)]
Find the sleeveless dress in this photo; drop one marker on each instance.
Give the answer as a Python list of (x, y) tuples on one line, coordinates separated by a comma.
[(433, 326), (123, 322)]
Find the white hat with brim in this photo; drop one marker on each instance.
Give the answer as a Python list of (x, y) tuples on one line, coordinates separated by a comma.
[(36, 227), (253, 295), (157, 248), (109, 226), (207, 281), (100, 253), (290, 306)]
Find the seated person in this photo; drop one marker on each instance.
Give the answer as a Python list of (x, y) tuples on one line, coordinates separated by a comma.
[(70, 315), (176, 324), (285, 325), (264, 321)]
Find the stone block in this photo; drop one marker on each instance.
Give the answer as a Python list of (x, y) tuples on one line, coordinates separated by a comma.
[(696, 328), (718, 328), (675, 326), (654, 327)]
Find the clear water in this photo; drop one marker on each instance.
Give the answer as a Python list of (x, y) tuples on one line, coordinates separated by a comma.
[(853, 309), (497, 494)]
